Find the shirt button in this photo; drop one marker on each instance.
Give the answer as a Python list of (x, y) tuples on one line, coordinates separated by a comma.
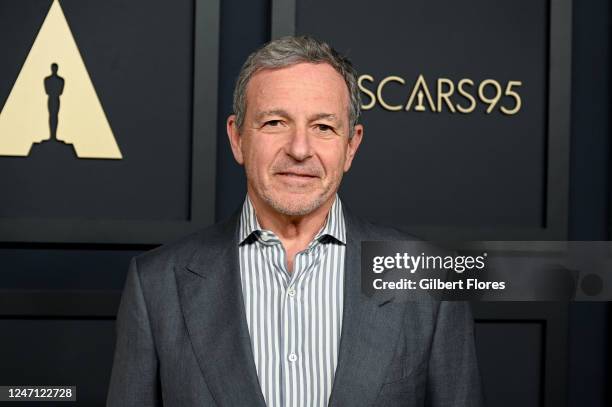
[(291, 292), (292, 357)]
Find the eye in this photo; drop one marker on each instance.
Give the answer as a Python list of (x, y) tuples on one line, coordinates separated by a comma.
[(324, 128), (273, 123)]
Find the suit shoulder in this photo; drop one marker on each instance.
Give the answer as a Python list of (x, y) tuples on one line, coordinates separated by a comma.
[(181, 251), (375, 231)]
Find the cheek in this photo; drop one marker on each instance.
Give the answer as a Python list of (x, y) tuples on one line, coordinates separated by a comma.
[(333, 160), (258, 158)]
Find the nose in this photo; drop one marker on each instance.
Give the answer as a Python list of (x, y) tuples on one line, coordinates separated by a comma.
[(299, 146)]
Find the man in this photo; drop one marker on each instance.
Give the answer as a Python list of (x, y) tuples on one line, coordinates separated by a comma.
[(266, 308)]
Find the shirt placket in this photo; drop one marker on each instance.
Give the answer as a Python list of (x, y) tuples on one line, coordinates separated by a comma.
[(291, 344)]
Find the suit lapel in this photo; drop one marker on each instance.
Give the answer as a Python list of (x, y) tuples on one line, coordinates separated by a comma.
[(210, 295), (370, 331)]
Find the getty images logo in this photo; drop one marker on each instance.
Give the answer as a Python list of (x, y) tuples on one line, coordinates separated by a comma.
[(53, 102)]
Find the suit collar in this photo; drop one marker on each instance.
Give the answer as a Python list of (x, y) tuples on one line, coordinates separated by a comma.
[(212, 243)]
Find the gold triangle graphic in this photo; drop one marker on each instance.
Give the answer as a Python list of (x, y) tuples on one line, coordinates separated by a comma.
[(81, 121)]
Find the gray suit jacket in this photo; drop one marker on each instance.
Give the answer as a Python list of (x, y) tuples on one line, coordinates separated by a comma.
[(183, 340)]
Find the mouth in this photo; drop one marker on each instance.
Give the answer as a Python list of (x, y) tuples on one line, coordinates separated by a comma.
[(297, 175), (297, 180)]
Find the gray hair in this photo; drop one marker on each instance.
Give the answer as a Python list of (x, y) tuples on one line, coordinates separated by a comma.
[(289, 51)]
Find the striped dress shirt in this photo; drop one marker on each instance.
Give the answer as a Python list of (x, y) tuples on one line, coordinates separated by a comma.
[(294, 319)]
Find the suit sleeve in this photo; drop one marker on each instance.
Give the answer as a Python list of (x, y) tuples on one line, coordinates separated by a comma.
[(134, 379), (453, 378)]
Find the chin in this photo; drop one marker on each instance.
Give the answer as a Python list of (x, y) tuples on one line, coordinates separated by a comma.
[(295, 204)]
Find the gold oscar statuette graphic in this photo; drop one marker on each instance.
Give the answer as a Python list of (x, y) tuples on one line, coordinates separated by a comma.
[(53, 99)]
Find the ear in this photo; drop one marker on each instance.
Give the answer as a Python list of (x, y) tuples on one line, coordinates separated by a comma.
[(353, 145), (233, 133)]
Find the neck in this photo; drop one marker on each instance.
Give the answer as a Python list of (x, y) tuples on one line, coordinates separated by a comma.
[(290, 228)]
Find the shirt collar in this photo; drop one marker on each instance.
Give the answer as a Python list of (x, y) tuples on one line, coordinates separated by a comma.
[(334, 223)]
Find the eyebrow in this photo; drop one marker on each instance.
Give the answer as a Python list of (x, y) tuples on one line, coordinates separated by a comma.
[(283, 113), (329, 116), (273, 112)]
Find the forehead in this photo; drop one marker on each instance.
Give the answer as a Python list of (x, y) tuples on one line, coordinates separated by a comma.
[(303, 86)]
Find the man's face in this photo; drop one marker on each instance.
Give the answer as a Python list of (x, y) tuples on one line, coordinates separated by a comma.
[(294, 141)]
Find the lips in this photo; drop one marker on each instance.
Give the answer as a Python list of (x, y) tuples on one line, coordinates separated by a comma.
[(297, 174)]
